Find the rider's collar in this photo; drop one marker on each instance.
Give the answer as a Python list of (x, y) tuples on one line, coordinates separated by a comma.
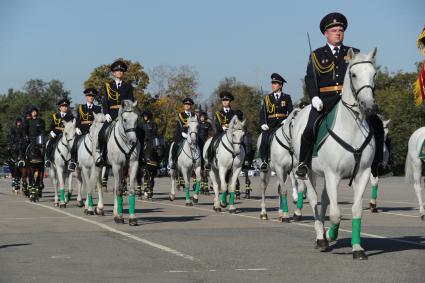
[(227, 109)]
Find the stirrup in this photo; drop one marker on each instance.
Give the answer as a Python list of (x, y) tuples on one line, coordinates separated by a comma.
[(264, 166), (207, 166), (99, 161), (47, 163), (302, 170), (71, 166)]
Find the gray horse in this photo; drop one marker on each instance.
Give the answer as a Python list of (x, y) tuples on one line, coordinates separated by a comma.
[(188, 161), (337, 160), (228, 164)]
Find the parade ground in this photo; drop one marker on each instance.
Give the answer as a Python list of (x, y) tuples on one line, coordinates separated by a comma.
[(175, 243)]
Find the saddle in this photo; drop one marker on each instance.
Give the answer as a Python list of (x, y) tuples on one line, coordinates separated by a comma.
[(422, 151), (321, 125)]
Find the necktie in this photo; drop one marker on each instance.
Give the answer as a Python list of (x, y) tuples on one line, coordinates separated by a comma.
[(336, 49), (118, 85), (277, 96)]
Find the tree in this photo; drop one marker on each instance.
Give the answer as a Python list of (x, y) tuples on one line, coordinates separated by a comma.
[(135, 75)]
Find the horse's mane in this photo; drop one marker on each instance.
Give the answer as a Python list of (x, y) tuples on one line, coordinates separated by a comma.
[(236, 124)]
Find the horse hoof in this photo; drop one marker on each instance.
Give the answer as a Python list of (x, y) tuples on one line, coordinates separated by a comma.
[(374, 210), (322, 245), (423, 217), (223, 205), (217, 209), (90, 212), (118, 220), (172, 197), (132, 222), (264, 217), (86, 211), (360, 255), (99, 211), (80, 203), (284, 219), (195, 200), (297, 218), (232, 211), (62, 205), (55, 204), (189, 203)]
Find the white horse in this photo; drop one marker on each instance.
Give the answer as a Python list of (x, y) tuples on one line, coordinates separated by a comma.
[(123, 151), (281, 162), (188, 161), (336, 159), (227, 165), (85, 168), (414, 165), (61, 156)]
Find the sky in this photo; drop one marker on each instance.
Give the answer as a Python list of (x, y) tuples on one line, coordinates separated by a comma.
[(248, 39)]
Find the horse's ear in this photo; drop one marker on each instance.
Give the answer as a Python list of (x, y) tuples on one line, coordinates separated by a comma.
[(351, 54), (135, 103), (372, 54), (243, 123), (386, 122)]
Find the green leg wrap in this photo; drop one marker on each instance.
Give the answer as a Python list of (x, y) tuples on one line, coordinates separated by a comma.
[(197, 187), (62, 195), (300, 200), (232, 198), (224, 197), (355, 234), (374, 193), (131, 202), (284, 203), (333, 231), (187, 193), (89, 200), (119, 205)]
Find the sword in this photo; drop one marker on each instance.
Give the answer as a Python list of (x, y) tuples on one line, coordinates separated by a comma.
[(312, 65)]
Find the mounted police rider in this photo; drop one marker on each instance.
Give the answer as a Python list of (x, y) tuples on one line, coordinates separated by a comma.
[(324, 80), (222, 120), (150, 132), (114, 92), (34, 126), (276, 108), (57, 127), (204, 132), (181, 129), (84, 120), (17, 133)]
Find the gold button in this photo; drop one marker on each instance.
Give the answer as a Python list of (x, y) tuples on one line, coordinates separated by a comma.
[(337, 75), (337, 67), (337, 83)]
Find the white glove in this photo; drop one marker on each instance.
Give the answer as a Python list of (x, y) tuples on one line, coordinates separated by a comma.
[(264, 127), (108, 118), (283, 122), (184, 135), (317, 103), (78, 131), (52, 134), (224, 128)]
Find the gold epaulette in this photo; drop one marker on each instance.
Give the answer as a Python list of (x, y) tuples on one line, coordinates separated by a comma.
[(56, 121), (270, 107), (183, 120), (221, 118), (319, 67), (83, 116), (112, 94)]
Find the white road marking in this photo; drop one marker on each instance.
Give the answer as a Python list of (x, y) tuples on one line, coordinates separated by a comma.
[(251, 269), (295, 223), (128, 235)]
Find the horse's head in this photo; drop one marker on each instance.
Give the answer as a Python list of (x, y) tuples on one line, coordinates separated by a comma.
[(127, 116), (361, 77), (69, 133), (236, 133), (192, 130)]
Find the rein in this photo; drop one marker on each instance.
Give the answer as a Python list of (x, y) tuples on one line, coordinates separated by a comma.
[(357, 152), (67, 148)]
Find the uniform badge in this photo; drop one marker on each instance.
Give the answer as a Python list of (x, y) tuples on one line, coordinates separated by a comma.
[(283, 103)]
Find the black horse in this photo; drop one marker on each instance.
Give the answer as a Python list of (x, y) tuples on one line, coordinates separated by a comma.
[(35, 161), (18, 166)]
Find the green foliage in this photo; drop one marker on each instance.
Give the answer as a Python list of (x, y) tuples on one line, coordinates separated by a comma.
[(395, 100), (13, 104)]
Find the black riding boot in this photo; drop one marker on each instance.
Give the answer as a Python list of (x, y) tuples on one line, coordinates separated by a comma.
[(210, 155), (174, 156), (264, 152), (48, 154), (305, 157), (74, 158), (101, 147)]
